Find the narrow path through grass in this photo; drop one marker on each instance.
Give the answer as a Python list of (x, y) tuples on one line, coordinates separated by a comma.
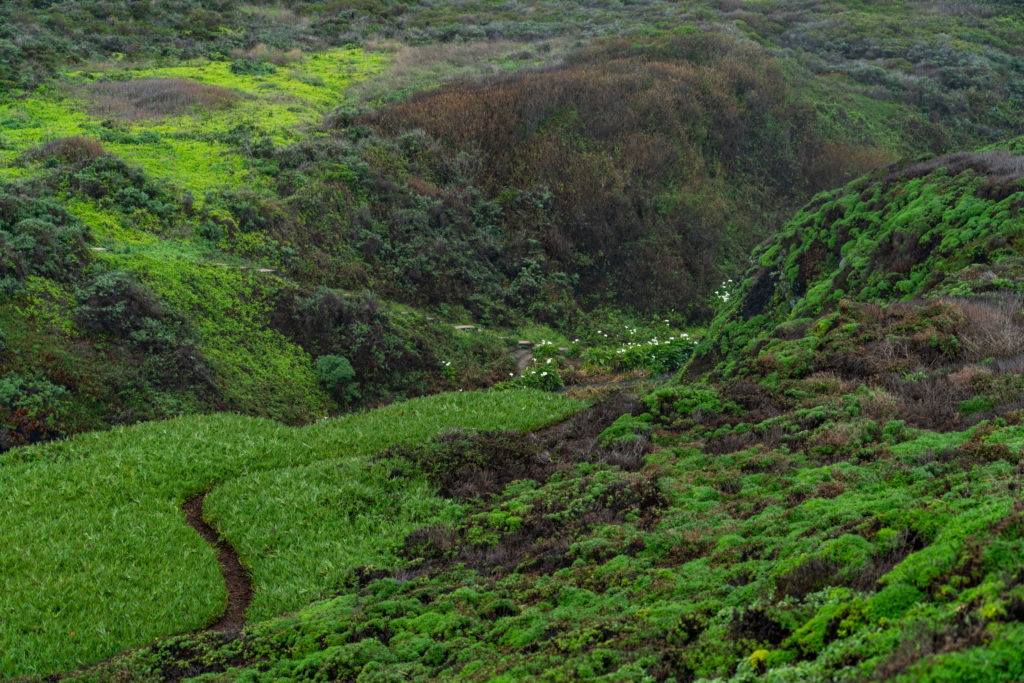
[(237, 580)]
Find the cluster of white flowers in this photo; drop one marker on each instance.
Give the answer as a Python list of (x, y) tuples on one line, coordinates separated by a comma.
[(537, 374), (654, 341), (723, 292)]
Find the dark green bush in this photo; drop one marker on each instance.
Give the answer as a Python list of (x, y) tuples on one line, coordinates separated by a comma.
[(112, 180), (39, 238), (33, 396), (116, 306), (337, 374), (327, 323)]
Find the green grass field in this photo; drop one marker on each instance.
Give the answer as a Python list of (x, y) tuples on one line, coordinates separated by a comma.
[(98, 556)]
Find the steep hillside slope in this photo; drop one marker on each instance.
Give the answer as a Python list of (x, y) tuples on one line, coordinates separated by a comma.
[(640, 169)]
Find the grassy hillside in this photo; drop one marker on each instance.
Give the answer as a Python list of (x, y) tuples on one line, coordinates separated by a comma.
[(839, 499), (100, 558)]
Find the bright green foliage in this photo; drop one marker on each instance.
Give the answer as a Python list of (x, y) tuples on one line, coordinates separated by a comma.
[(838, 499), (921, 230), (625, 429), (203, 201), (689, 568), (96, 544)]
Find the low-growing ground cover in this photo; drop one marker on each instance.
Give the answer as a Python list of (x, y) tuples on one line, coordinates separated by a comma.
[(98, 556), (880, 562), (178, 122)]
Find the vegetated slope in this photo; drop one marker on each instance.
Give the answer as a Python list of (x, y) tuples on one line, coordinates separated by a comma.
[(635, 169), (98, 556), (946, 228), (956, 66), (638, 170), (154, 323), (839, 500), (233, 174), (41, 36)]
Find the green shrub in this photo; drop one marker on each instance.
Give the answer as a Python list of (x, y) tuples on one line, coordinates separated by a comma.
[(976, 404), (116, 306), (545, 378), (38, 237), (31, 395), (625, 429), (685, 401), (337, 373)]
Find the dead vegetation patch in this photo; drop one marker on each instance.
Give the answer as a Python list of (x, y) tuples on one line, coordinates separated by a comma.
[(998, 165), (961, 633), (76, 149), (929, 356), (543, 540), (473, 465), (154, 98)]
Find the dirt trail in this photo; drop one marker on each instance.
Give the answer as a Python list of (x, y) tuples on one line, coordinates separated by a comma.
[(236, 578)]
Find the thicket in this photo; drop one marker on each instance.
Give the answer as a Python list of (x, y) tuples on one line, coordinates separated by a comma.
[(610, 180), (617, 164)]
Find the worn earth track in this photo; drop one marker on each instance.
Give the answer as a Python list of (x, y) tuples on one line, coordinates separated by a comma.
[(236, 578)]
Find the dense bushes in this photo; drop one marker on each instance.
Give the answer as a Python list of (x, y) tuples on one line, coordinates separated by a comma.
[(115, 306), (37, 237), (617, 163), (608, 180), (403, 214), (359, 350), (336, 373)]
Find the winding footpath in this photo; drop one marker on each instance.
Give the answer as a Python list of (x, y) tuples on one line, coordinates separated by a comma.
[(236, 578)]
